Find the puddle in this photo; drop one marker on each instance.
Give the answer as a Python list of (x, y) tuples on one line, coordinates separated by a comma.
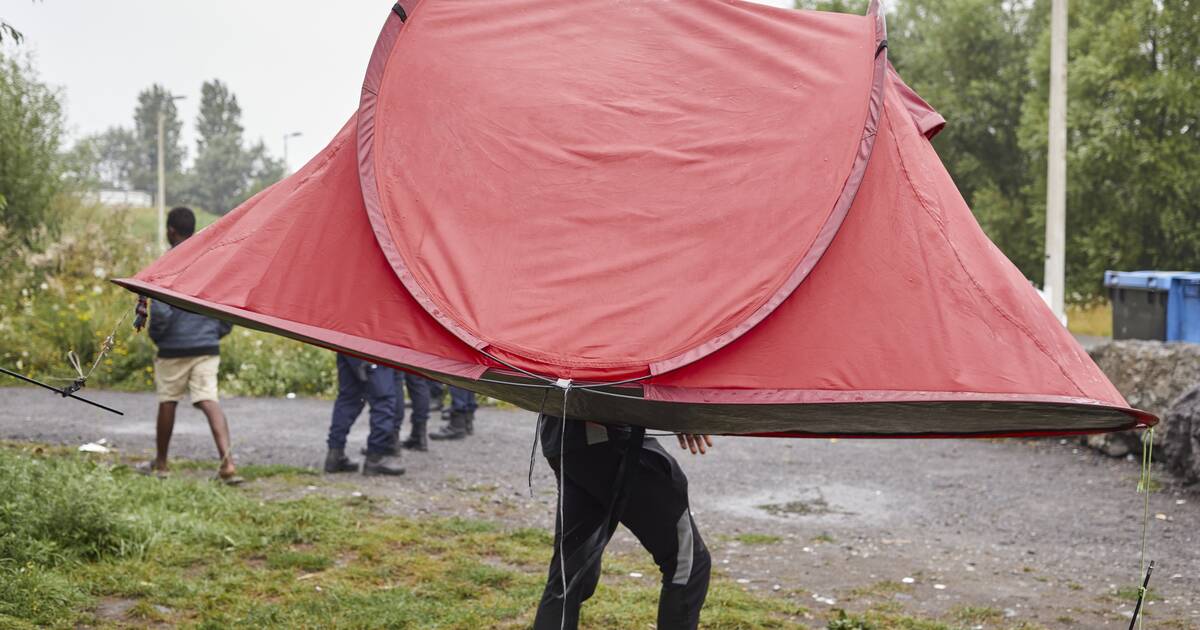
[(802, 508), (822, 503)]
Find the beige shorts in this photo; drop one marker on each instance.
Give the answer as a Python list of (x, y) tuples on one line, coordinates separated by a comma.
[(196, 376)]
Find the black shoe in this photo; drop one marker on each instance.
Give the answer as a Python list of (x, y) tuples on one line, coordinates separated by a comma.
[(470, 426), (388, 465), (337, 462), (417, 440), (456, 429)]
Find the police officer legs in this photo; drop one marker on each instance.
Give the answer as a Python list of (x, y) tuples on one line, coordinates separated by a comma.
[(462, 416), (418, 392), (362, 383)]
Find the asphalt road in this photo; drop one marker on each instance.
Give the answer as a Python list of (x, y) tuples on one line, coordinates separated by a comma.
[(1040, 531)]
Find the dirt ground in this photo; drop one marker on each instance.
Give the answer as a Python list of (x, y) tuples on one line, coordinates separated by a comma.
[(1004, 531)]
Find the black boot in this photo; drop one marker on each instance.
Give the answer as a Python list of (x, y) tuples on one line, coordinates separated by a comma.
[(382, 465), (391, 451), (470, 427), (456, 429), (337, 462), (417, 440)]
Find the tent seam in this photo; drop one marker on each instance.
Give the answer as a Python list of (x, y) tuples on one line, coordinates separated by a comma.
[(974, 282)]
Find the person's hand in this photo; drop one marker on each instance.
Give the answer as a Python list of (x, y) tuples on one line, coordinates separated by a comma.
[(696, 443)]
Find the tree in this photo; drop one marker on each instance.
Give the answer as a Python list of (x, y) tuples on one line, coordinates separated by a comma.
[(264, 171), (108, 159), (226, 172), (220, 114), (31, 129), (145, 129), (1133, 138), (222, 165)]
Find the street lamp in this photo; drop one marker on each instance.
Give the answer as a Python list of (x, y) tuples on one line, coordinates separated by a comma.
[(295, 134), (162, 178)]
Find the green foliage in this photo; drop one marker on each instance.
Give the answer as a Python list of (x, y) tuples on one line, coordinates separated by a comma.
[(31, 129), (222, 165), (1134, 138), (108, 159), (226, 171)]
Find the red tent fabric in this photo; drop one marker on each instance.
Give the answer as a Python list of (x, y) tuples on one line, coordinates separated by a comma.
[(708, 217)]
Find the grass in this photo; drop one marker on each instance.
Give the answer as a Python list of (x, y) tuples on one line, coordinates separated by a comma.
[(1130, 593), (977, 614), (1094, 320), (86, 542), (884, 589), (757, 539)]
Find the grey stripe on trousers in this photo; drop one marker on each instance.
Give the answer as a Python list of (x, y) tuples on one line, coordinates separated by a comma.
[(683, 558)]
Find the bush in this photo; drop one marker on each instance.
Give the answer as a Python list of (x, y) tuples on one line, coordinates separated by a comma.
[(31, 129), (56, 297)]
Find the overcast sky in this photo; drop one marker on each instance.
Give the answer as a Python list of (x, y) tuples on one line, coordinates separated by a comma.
[(294, 65)]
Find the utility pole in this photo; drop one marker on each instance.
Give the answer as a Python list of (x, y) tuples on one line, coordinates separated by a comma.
[(287, 169), (162, 178), (1056, 175)]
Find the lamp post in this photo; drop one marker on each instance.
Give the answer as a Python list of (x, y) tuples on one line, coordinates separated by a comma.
[(287, 169), (1056, 170), (162, 178)]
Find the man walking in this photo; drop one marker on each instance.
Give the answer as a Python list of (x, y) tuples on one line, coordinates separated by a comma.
[(363, 383), (611, 473), (189, 356)]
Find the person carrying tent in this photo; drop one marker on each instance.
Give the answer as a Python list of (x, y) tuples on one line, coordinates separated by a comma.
[(362, 382), (189, 356), (609, 474)]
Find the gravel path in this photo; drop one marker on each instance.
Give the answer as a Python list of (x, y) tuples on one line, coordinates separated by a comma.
[(1036, 531)]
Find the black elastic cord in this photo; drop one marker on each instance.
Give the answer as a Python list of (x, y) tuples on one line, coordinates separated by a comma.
[(399, 10), (625, 478), (881, 48)]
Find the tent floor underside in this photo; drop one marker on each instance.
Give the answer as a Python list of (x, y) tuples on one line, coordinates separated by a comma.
[(817, 420), (907, 419)]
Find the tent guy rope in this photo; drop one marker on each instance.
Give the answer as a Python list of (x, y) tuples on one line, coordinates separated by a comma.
[(79, 381)]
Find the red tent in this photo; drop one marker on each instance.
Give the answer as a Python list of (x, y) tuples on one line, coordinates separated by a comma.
[(710, 216)]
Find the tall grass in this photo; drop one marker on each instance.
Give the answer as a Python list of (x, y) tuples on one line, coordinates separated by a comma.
[(193, 553)]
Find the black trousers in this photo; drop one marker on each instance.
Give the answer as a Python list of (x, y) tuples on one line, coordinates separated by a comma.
[(656, 511)]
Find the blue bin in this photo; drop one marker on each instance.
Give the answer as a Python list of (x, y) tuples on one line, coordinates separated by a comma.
[(1183, 308), (1161, 305)]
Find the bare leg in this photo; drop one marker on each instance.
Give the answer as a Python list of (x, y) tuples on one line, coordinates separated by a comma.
[(220, 430), (163, 429)]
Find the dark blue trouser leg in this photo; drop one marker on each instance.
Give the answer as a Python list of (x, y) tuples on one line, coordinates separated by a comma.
[(349, 403), (381, 395), (418, 392), (436, 390), (462, 400)]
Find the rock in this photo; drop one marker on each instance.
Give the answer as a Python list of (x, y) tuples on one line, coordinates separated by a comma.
[(1151, 375), (1181, 451)]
